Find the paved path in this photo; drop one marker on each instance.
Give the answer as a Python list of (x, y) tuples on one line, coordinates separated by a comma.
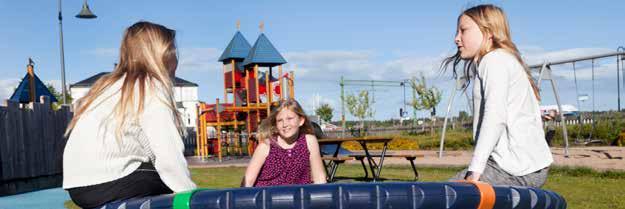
[(599, 158)]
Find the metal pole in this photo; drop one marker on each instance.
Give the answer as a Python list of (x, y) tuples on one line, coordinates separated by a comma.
[(62, 54), (342, 108), (403, 85), (618, 85), (619, 66), (442, 144)]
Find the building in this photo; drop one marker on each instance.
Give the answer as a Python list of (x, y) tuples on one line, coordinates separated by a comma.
[(185, 94)]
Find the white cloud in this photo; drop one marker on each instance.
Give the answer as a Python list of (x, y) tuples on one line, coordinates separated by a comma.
[(199, 59), (7, 87), (330, 65)]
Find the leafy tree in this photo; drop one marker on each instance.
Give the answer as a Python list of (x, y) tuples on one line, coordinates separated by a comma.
[(463, 116), (359, 107), (58, 96), (427, 98), (325, 112)]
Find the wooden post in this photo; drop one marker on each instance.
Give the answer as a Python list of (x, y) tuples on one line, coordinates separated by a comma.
[(268, 89), (257, 92), (234, 88), (218, 134), (199, 124), (234, 85), (225, 86), (292, 84), (204, 135), (30, 68), (247, 94), (281, 83), (237, 143)]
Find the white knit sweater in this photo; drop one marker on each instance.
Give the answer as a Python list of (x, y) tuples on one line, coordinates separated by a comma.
[(506, 118), (93, 155)]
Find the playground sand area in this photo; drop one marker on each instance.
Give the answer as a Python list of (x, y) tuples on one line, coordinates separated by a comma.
[(598, 158)]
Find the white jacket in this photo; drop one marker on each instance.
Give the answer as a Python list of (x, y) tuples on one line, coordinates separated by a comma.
[(506, 118), (93, 155)]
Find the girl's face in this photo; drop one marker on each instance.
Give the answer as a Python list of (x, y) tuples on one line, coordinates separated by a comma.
[(288, 123), (469, 38)]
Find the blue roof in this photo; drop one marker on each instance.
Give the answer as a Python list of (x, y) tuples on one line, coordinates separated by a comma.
[(264, 53), (22, 93), (238, 48)]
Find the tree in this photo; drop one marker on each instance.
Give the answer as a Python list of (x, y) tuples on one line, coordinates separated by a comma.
[(325, 112), (463, 116), (359, 107), (58, 96), (427, 98)]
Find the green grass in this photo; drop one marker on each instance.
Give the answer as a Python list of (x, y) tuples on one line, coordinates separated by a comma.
[(581, 187)]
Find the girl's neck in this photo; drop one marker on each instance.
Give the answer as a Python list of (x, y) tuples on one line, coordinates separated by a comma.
[(292, 139)]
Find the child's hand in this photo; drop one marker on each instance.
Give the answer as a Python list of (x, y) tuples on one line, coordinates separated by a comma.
[(472, 176)]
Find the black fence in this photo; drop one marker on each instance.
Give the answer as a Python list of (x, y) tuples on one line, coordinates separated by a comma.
[(31, 147)]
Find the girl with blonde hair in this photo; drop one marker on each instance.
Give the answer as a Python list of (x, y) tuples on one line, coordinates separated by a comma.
[(510, 147), (288, 152), (125, 137)]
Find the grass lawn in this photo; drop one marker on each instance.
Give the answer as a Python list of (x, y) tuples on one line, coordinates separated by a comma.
[(582, 188)]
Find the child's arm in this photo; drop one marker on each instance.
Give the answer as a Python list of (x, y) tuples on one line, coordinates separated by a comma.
[(165, 144), (316, 165), (258, 159)]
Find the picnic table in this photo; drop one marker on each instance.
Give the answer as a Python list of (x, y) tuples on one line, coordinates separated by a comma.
[(376, 167)]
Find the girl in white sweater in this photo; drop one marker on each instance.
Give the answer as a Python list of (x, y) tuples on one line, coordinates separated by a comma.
[(510, 147), (125, 137)]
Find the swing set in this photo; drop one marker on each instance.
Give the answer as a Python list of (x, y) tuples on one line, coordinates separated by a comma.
[(545, 74)]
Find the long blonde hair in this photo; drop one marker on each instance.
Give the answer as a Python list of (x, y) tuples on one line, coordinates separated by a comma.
[(492, 21), (147, 60), (268, 129)]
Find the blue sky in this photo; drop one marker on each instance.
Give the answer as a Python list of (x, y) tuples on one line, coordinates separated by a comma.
[(386, 40)]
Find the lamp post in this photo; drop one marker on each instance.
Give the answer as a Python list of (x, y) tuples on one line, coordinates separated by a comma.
[(85, 13)]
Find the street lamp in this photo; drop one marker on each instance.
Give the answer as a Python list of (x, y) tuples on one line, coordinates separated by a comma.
[(85, 13)]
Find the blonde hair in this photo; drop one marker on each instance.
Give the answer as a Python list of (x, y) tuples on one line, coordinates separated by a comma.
[(147, 60), (268, 129), (492, 21)]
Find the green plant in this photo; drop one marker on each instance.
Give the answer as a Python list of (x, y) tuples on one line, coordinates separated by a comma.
[(359, 107), (325, 112), (427, 100)]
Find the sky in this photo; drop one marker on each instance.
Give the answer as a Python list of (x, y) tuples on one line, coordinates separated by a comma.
[(321, 41)]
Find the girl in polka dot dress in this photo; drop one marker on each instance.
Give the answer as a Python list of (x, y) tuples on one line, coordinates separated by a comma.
[(288, 152)]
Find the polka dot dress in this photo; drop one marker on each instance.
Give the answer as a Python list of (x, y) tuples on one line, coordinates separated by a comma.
[(286, 166)]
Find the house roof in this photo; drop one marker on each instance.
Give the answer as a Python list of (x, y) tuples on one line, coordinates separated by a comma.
[(22, 93), (179, 82), (238, 48), (264, 53)]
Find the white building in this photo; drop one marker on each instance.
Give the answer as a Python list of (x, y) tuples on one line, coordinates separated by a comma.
[(185, 93)]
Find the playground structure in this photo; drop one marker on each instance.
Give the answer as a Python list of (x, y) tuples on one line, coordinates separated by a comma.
[(31, 88), (545, 74), (229, 127)]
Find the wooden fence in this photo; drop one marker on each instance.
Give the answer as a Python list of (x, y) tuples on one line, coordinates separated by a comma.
[(31, 146)]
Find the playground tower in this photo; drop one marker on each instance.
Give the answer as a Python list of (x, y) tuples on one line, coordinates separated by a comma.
[(250, 89)]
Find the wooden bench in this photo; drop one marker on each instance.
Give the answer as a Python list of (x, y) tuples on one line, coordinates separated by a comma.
[(335, 161), (409, 157)]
